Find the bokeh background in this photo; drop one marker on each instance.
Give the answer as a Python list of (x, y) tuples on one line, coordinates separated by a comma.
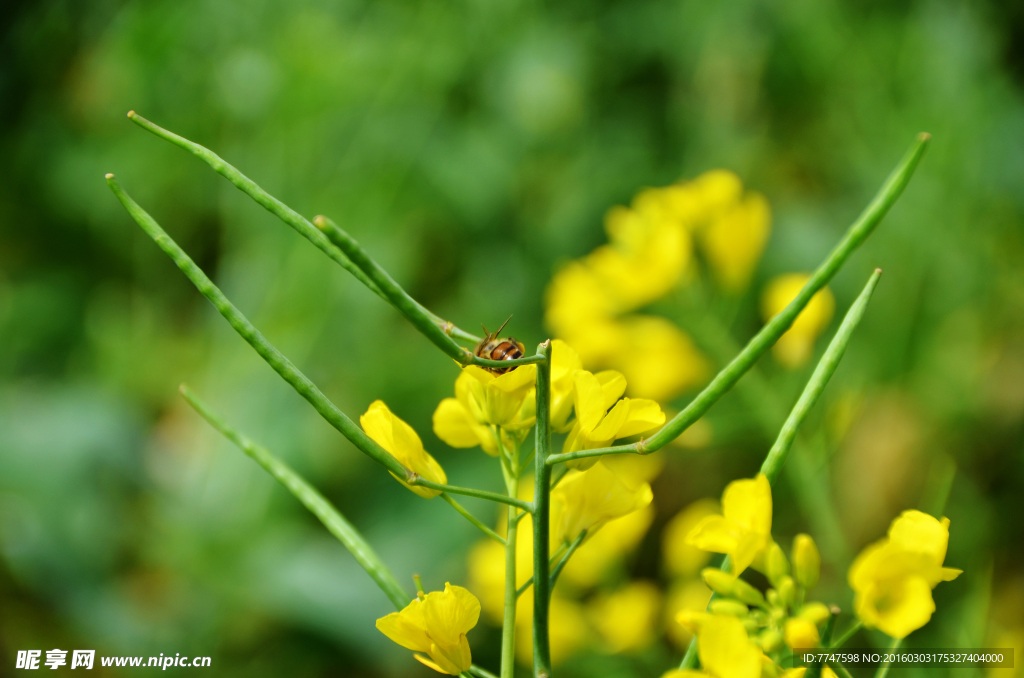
[(472, 147)]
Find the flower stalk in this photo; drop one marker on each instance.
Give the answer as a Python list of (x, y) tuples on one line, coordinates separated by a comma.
[(542, 518)]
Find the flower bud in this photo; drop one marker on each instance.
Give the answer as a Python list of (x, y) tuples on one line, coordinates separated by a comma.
[(801, 633), (815, 612), (747, 593), (773, 597), (806, 561), (787, 592), (771, 640), (729, 607), (722, 583), (778, 566)]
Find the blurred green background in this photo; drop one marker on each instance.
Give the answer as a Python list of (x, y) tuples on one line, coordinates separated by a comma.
[(471, 147)]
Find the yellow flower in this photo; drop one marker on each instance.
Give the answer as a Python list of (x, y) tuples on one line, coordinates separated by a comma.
[(795, 347), (724, 649), (801, 634), (587, 500), (744, 529), (682, 559), (436, 625), (691, 595), (734, 241), (482, 400), (893, 578), (626, 619), (597, 425), (402, 443)]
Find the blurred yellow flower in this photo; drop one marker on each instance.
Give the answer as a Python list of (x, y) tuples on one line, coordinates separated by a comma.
[(681, 558), (724, 649), (595, 557), (795, 347), (436, 625), (486, 567), (402, 443), (627, 618), (734, 241), (691, 595), (801, 633), (597, 425), (586, 500), (744, 529), (482, 400), (893, 578), (659, 360)]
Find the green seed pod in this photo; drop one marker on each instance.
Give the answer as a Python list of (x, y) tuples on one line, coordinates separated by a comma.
[(747, 593), (815, 612), (778, 566), (731, 607), (787, 592), (806, 561), (771, 640), (721, 583)]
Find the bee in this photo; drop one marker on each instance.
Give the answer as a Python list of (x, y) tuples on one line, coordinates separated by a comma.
[(494, 347)]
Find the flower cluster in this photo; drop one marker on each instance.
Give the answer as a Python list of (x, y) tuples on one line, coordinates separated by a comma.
[(596, 303), (744, 630), (436, 625)]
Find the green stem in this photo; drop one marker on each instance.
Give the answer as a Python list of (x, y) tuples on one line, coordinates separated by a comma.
[(471, 492), (508, 626), (393, 292), (471, 518), (291, 374), (554, 556), (281, 211), (884, 668), (847, 634), (480, 673), (565, 559), (769, 334), (816, 384), (312, 500), (542, 518)]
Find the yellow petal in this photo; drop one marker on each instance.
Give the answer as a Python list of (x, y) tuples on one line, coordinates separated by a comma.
[(725, 650), (898, 608), (589, 400), (801, 634), (682, 558), (714, 533), (402, 443), (644, 415), (454, 425), (427, 662), (609, 427), (917, 531), (748, 503), (447, 617), (522, 378), (613, 384), (406, 628)]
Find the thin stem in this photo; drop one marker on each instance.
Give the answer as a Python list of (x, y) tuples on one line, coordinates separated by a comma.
[(529, 582), (418, 582), (394, 293), (282, 212), (508, 626), (542, 518), (291, 374), (769, 334), (847, 634), (884, 668), (562, 472), (528, 360), (816, 384), (471, 518), (312, 500), (565, 559), (472, 492), (480, 673)]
